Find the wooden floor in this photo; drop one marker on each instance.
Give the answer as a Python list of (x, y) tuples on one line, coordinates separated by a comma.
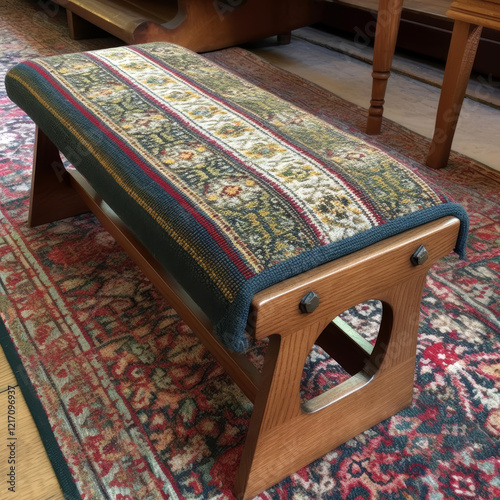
[(35, 478)]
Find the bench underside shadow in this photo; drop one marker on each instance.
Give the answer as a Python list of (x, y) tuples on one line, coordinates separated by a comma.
[(285, 434)]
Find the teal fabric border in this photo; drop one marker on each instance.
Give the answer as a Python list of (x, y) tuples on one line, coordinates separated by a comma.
[(61, 469)]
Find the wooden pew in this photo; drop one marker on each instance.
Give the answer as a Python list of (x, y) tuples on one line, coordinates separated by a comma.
[(199, 25)]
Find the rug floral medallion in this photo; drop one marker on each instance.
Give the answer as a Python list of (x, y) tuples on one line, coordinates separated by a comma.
[(136, 405)]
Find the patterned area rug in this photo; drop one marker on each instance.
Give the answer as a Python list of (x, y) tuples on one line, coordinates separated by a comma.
[(137, 406)]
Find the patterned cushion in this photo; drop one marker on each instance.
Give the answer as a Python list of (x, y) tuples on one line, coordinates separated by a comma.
[(230, 188)]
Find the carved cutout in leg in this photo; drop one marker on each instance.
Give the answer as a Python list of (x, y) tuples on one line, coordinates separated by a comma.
[(350, 351), (285, 434)]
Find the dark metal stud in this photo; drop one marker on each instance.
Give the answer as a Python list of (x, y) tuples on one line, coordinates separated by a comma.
[(420, 256), (309, 302)]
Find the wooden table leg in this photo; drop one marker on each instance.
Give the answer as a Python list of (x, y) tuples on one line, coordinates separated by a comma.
[(461, 56), (389, 15)]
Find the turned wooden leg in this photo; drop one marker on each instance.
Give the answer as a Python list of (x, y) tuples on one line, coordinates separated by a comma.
[(52, 197), (389, 15), (459, 64)]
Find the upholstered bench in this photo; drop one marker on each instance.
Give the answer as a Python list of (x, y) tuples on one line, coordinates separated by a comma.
[(254, 219)]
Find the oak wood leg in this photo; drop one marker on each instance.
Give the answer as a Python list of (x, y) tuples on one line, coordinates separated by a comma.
[(52, 197), (285, 435), (277, 402), (386, 33), (459, 64)]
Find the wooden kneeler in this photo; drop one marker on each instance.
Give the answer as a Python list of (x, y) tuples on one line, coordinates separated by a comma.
[(285, 434)]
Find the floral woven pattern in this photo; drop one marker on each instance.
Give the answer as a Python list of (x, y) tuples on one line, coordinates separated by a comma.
[(138, 407), (231, 188)]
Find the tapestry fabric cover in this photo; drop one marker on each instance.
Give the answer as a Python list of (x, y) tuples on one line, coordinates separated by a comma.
[(230, 188)]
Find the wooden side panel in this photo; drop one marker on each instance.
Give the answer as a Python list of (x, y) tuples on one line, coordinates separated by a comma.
[(289, 435), (52, 197), (350, 280)]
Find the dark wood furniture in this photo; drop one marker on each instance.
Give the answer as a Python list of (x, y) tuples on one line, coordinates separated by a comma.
[(470, 17), (203, 25), (424, 28), (199, 25)]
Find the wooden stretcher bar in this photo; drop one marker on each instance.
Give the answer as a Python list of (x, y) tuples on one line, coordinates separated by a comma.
[(284, 433)]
